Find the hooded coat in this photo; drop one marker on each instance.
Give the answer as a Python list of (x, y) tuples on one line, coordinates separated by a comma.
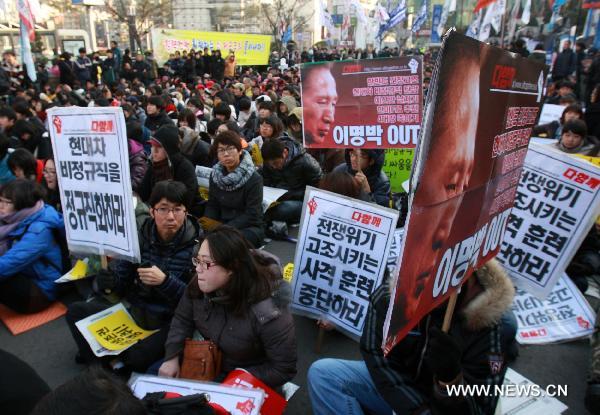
[(196, 150), (155, 121), (300, 170), (378, 180), (262, 341), (181, 169), (474, 327), (34, 251), (138, 163)]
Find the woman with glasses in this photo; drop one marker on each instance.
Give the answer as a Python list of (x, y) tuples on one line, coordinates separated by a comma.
[(30, 257), (50, 184), (235, 191), (239, 301)]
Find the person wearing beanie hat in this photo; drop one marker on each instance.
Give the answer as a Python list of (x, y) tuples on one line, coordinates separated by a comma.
[(366, 166), (294, 124), (168, 163), (156, 115)]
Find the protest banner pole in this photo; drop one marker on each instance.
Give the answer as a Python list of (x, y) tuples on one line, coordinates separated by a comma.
[(449, 312), (320, 337)]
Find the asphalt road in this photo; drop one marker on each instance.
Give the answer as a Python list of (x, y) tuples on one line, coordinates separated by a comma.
[(51, 350)]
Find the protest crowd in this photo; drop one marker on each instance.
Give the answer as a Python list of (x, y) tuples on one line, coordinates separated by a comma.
[(203, 270)]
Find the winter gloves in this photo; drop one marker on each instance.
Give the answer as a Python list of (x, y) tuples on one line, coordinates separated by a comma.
[(443, 355)]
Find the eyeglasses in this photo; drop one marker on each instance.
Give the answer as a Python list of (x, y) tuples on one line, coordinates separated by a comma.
[(226, 150), (204, 265), (178, 211)]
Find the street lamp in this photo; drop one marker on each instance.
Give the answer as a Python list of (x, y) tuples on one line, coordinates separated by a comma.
[(131, 24)]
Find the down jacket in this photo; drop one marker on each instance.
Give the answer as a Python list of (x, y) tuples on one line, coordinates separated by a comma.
[(174, 258), (378, 180), (300, 170), (34, 251), (262, 341), (475, 327)]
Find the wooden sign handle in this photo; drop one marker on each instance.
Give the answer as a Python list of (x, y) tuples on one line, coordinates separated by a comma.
[(103, 262), (449, 312)]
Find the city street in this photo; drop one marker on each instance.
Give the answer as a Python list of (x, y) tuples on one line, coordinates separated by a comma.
[(51, 350)]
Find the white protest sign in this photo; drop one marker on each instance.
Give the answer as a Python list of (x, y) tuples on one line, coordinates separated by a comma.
[(564, 315), (270, 195), (203, 176), (394, 255), (237, 401), (527, 402), (340, 259), (92, 165), (551, 112), (556, 203)]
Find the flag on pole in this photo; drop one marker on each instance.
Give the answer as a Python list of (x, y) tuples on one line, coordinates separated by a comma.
[(27, 34), (526, 12), (474, 27), (326, 19), (512, 23), (421, 17), (345, 28), (482, 4), (396, 16), (498, 9), (381, 15)]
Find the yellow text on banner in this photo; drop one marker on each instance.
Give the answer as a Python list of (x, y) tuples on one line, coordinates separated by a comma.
[(118, 331)]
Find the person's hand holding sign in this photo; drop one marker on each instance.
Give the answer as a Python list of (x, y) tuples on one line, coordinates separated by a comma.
[(364, 183), (443, 356), (151, 275)]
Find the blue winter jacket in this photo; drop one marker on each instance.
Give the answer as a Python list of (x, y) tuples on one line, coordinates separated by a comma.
[(34, 251), (5, 173)]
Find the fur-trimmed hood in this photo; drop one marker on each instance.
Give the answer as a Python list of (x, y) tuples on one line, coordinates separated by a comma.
[(486, 308)]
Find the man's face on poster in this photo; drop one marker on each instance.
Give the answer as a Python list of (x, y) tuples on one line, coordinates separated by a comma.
[(439, 195), (319, 99)]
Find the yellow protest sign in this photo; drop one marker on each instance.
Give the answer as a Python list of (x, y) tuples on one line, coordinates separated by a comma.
[(117, 331), (79, 270), (249, 49), (288, 272), (594, 160)]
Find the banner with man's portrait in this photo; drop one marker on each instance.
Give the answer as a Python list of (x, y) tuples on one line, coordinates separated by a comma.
[(373, 103), (482, 105)]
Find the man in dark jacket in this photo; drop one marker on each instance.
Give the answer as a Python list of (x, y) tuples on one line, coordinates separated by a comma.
[(153, 287), (414, 378), (366, 167), (156, 116), (565, 64), (141, 68), (169, 164), (288, 166)]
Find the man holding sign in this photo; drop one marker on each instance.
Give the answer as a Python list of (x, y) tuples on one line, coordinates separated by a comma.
[(154, 287)]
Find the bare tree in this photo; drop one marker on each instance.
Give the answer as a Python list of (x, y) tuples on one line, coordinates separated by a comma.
[(286, 12), (155, 11)]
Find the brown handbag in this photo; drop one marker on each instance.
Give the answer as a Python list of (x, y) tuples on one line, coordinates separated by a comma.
[(201, 360)]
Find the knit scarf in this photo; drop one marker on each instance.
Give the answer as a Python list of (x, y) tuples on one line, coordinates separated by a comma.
[(10, 222), (235, 179)]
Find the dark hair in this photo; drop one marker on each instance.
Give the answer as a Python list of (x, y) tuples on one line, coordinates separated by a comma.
[(233, 126), (213, 125), (21, 128), (81, 50), (8, 113), (189, 117), (22, 107), (23, 193), (272, 149), (222, 109), (227, 138), (196, 102), (274, 121), (174, 192), (95, 391), (266, 105), (245, 104), (250, 280), (4, 145), (576, 127), (23, 158), (571, 108), (342, 183), (157, 101), (135, 131)]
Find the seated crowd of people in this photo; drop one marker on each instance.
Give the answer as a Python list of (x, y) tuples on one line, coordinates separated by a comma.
[(202, 269)]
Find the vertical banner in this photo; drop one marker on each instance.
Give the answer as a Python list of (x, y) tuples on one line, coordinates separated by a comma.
[(374, 103), (482, 105), (92, 165), (556, 203), (564, 315), (436, 17), (340, 258)]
